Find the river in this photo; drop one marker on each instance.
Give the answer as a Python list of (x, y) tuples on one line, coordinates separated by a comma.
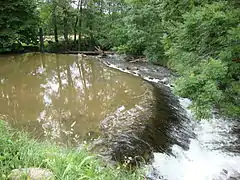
[(62, 97), (70, 99)]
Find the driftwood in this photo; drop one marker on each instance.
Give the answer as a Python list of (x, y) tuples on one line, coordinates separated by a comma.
[(89, 52), (134, 59), (98, 51), (138, 60)]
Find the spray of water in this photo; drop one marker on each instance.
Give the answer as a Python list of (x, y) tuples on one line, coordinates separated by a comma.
[(207, 158)]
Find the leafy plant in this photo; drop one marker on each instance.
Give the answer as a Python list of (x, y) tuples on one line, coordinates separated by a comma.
[(18, 150), (202, 49)]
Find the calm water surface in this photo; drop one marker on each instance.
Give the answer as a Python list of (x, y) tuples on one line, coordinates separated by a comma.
[(62, 97)]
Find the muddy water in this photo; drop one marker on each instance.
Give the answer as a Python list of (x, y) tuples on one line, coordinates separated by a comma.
[(62, 97), (199, 150)]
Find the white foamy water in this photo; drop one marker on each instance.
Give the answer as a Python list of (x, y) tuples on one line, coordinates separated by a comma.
[(205, 159)]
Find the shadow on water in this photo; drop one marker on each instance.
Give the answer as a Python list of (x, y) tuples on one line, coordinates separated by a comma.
[(170, 124), (154, 125)]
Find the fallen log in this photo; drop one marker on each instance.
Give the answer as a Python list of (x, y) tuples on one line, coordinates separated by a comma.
[(92, 53), (138, 60)]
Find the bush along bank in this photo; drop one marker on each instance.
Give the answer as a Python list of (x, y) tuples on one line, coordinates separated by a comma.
[(18, 150)]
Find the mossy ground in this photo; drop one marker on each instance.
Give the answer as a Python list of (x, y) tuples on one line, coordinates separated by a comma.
[(18, 150)]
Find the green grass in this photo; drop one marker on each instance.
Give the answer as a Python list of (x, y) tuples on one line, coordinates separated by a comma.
[(17, 150)]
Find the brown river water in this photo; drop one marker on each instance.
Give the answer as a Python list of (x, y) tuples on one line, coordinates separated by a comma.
[(62, 97), (70, 99)]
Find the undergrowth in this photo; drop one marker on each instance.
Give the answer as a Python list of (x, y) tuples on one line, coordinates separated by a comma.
[(18, 150)]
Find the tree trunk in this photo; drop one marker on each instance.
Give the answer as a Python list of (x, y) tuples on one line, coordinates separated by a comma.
[(65, 21), (65, 34), (41, 47), (90, 23), (80, 26), (55, 23), (75, 25), (109, 8)]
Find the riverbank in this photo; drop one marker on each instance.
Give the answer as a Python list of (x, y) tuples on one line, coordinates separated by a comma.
[(17, 150)]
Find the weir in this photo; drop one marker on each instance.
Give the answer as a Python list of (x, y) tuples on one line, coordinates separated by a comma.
[(73, 100)]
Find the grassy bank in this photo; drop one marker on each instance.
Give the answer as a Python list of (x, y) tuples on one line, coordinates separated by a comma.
[(17, 150)]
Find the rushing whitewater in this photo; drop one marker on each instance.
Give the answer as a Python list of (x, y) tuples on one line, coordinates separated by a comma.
[(212, 155), (203, 150)]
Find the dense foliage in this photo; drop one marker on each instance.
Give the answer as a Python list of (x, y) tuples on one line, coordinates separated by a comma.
[(198, 39), (18, 24), (204, 48)]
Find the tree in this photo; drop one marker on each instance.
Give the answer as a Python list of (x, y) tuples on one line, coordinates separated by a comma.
[(18, 24), (145, 30), (199, 39), (202, 48)]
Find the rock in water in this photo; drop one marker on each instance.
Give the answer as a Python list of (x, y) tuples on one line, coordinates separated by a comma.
[(32, 174)]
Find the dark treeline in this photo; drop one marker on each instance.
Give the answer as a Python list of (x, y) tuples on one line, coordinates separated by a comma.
[(199, 39)]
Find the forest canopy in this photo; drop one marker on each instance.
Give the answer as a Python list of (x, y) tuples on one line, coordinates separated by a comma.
[(18, 24)]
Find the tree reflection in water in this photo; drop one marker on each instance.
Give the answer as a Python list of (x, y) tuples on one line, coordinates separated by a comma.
[(62, 97)]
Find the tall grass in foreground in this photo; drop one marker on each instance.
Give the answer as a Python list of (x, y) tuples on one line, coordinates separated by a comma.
[(17, 150)]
